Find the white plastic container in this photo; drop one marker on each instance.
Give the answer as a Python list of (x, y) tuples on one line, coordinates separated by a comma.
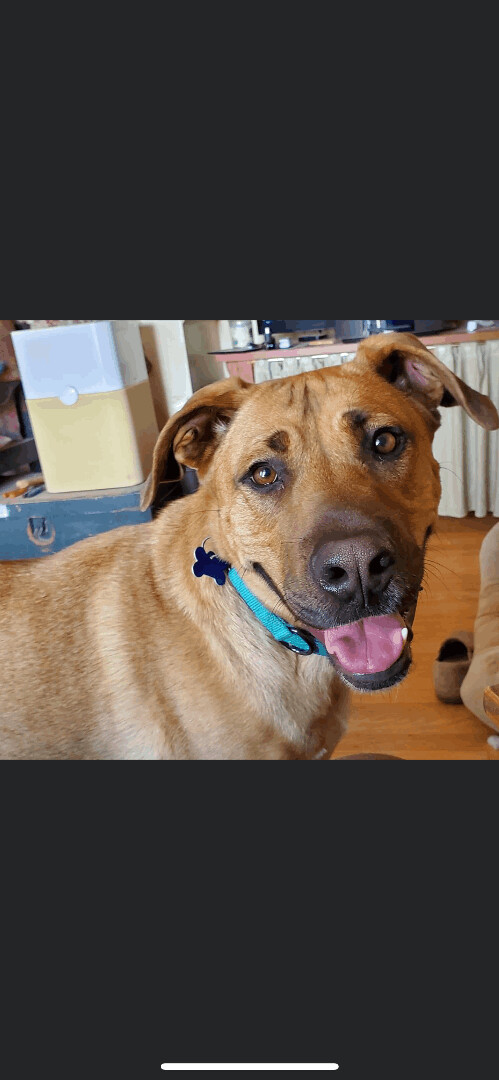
[(241, 332), (90, 404)]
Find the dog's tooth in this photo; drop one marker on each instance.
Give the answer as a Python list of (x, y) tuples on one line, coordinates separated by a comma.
[(405, 633)]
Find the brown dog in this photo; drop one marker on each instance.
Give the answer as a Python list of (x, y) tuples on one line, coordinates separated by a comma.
[(321, 492)]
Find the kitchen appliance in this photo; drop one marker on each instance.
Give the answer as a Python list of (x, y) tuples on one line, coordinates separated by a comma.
[(413, 326), (305, 329), (349, 329), (355, 330)]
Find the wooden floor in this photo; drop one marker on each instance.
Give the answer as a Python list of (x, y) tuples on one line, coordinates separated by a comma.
[(409, 721)]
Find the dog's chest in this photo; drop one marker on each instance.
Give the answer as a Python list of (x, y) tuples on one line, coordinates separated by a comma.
[(288, 707), (310, 709)]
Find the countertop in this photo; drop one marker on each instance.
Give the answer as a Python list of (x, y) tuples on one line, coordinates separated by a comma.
[(455, 337)]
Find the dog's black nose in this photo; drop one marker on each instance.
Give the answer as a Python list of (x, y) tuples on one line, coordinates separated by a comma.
[(354, 570)]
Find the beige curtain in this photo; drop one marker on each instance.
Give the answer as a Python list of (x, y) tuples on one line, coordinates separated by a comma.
[(468, 455)]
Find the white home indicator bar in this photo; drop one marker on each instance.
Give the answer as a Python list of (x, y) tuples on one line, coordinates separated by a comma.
[(250, 1068)]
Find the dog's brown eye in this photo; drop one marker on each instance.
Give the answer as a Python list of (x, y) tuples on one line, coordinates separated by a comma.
[(385, 442), (264, 476)]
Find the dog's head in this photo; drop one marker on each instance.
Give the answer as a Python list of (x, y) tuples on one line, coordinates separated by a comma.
[(324, 490)]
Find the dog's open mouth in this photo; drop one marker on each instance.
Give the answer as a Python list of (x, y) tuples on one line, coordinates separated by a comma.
[(373, 654), (369, 654)]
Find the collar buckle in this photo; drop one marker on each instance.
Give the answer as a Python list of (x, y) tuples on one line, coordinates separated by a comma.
[(304, 636)]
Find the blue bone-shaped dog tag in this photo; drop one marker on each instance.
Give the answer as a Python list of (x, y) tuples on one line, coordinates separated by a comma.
[(207, 565)]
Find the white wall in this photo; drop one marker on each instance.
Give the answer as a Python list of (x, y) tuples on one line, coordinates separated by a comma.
[(178, 350), (202, 337), (205, 336), (165, 347)]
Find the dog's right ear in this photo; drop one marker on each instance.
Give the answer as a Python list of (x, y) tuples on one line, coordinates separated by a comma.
[(404, 361), (194, 433)]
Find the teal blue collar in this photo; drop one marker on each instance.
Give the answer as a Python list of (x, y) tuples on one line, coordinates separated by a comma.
[(297, 640)]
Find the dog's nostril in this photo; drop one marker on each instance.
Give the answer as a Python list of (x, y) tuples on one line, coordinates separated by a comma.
[(381, 562), (334, 574)]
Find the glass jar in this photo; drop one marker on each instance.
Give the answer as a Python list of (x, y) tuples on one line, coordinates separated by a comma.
[(241, 332)]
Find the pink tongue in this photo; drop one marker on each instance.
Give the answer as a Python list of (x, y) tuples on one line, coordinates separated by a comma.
[(368, 646)]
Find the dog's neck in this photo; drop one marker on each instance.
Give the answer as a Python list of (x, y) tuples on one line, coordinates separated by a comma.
[(279, 683), (209, 563)]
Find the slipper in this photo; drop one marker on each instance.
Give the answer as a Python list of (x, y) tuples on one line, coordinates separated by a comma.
[(452, 666)]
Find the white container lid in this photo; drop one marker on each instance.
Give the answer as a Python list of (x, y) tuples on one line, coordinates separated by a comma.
[(90, 358)]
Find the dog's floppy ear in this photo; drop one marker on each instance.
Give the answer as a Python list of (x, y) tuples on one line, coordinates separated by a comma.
[(405, 362), (194, 433)]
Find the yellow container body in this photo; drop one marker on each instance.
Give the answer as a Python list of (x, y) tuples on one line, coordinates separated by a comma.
[(102, 441)]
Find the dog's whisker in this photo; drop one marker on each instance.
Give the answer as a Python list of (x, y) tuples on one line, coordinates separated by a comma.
[(460, 479), (445, 569), (435, 580), (438, 577)]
